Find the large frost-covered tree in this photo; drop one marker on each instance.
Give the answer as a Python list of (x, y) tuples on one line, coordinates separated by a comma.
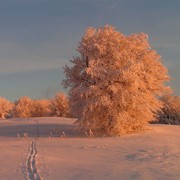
[(115, 83)]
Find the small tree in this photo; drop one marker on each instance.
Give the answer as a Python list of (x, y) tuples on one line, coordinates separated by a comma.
[(115, 82), (23, 107), (60, 105), (170, 112), (5, 108), (40, 108)]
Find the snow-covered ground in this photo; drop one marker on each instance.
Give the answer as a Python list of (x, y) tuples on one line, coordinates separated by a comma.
[(50, 148)]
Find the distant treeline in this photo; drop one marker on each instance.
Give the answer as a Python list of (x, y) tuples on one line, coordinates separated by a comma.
[(26, 107), (59, 106)]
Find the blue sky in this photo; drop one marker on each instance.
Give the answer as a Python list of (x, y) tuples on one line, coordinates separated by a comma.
[(38, 37)]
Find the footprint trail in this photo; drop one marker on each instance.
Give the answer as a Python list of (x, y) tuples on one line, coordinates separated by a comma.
[(30, 171)]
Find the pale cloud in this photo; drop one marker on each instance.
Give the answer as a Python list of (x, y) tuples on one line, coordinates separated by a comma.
[(15, 57), (26, 66)]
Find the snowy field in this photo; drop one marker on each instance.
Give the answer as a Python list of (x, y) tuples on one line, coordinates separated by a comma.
[(50, 148)]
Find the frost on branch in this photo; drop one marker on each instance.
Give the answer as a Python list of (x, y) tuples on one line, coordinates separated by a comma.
[(114, 83)]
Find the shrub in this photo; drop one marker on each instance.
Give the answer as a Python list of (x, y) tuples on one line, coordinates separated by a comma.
[(170, 112), (60, 105), (5, 108), (40, 108), (23, 107)]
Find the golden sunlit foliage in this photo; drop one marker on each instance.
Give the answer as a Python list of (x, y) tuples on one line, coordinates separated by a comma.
[(40, 108), (26, 107), (5, 107), (60, 105), (22, 108), (114, 83)]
